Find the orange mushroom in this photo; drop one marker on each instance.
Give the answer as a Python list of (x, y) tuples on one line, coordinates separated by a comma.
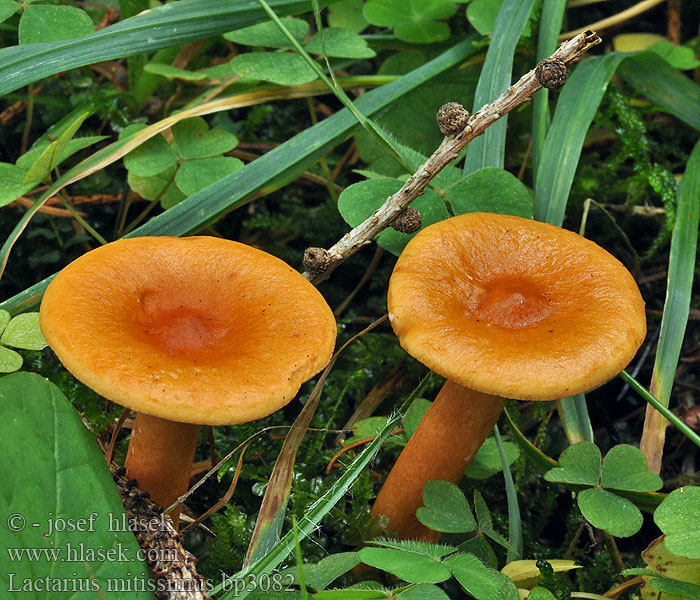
[(185, 331), (503, 307)]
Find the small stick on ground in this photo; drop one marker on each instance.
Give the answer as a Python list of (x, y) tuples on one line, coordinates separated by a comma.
[(569, 52)]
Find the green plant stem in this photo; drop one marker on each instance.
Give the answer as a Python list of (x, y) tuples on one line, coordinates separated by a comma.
[(89, 228), (28, 120), (664, 410), (574, 541), (330, 184), (614, 552), (123, 211), (338, 91)]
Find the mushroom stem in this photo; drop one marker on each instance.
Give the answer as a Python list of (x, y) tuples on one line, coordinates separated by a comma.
[(444, 444), (160, 458)]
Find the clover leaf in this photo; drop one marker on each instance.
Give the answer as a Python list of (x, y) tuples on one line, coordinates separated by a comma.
[(22, 332), (360, 200), (172, 171), (579, 465), (446, 509), (624, 469), (417, 21), (678, 516)]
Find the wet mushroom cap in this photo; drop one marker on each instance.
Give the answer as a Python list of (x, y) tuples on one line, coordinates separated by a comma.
[(199, 330), (514, 307)]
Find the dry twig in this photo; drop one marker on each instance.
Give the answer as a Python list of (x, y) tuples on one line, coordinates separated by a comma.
[(568, 53)]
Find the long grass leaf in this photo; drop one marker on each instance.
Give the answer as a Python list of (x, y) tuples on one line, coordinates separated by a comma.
[(550, 25), (665, 86), (314, 513), (274, 505), (577, 105), (573, 412), (161, 27), (270, 171), (489, 149), (557, 161), (673, 418), (681, 269), (333, 86), (515, 525), (647, 73)]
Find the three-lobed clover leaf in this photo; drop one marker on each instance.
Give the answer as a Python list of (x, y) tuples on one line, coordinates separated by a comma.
[(170, 172), (447, 510), (358, 201), (579, 465), (492, 190), (624, 470), (47, 23), (289, 68), (417, 21)]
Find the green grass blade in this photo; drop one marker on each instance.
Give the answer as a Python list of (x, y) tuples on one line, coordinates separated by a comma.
[(577, 105), (333, 86), (313, 515), (515, 525), (677, 422), (270, 171), (164, 26), (274, 505), (681, 269), (488, 150), (665, 86), (532, 453), (558, 158), (573, 412), (550, 26)]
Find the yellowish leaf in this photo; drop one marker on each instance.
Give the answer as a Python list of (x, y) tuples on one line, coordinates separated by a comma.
[(525, 574), (676, 567), (635, 42)]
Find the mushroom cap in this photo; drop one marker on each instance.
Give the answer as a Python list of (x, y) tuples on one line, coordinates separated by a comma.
[(514, 307), (199, 330)]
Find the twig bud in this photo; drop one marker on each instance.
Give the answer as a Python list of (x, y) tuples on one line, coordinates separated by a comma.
[(452, 118), (551, 73), (316, 260), (409, 221)]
